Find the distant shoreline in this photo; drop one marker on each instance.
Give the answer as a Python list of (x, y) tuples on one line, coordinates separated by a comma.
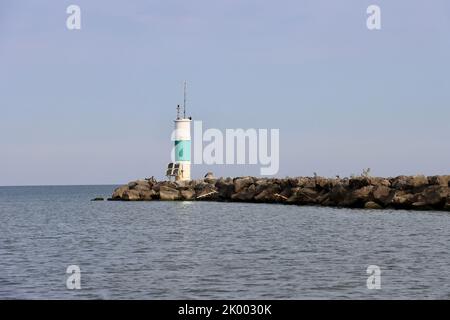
[(402, 192)]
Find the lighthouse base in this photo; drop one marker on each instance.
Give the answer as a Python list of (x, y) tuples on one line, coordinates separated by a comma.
[(184, 172)]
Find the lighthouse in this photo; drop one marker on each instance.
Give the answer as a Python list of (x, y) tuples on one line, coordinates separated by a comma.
[(181, 169)]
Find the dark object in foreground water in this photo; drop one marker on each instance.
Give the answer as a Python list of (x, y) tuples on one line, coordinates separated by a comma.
[(402, 192), (97, 199)]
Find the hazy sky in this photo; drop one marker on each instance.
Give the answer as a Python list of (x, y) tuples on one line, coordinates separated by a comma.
[(96, 106)]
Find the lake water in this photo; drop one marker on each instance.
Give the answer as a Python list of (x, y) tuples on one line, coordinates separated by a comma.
[(207, 250)]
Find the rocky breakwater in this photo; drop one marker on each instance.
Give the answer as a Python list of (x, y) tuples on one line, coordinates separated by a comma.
[(402, 192)]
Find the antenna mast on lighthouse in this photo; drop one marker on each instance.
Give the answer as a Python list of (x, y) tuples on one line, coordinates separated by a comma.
[(184, 99)]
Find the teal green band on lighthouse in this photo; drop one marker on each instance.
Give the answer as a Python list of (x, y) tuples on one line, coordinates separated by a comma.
[(183, 150)]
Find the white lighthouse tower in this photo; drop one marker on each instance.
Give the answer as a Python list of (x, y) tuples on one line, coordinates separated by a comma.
[(181, 169)]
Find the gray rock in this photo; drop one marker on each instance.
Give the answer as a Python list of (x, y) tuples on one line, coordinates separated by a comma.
[(131, 195), (200, 186), (443, 181), (241, 183), (338, 194), (168, 184), (403, 199), (188, 194), (405, 182), (182, 184), (167, 193), (383, 194), (132, 184), (147, 195), (246, 194), (324, 183), (306, 195), (225, 188), (358, 182), (434, 195), (372, 205), (375, 181), (268, 194), (363, 194), (141, 187), (418, 181), (118, 192), (209, 193)]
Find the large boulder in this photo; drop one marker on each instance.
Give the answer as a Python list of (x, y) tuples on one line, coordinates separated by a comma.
[(147, 195), (118, 192), (292, 198), (403, 199), (182, 184), (263, 184), (418, 181), (225, 187), (142, 187), (375, 181), (337, 194), (160, 184), (351, 198), (131, 195), (269, 194), (307, 195), (435, 196), (200, 186), (286, 192), (443, 181), (409, 182), (382, 194), (188, 194), (241, 183), (372, 205), (209, 193), (358, 182), (245, 194), (169, 193), (303, 196), (363, 194), (132, 184), (325, 183)]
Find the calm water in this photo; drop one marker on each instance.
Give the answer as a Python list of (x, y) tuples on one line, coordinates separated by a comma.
[(160, 250)]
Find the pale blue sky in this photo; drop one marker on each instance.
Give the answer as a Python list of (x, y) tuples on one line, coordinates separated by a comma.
[(96, 105)]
